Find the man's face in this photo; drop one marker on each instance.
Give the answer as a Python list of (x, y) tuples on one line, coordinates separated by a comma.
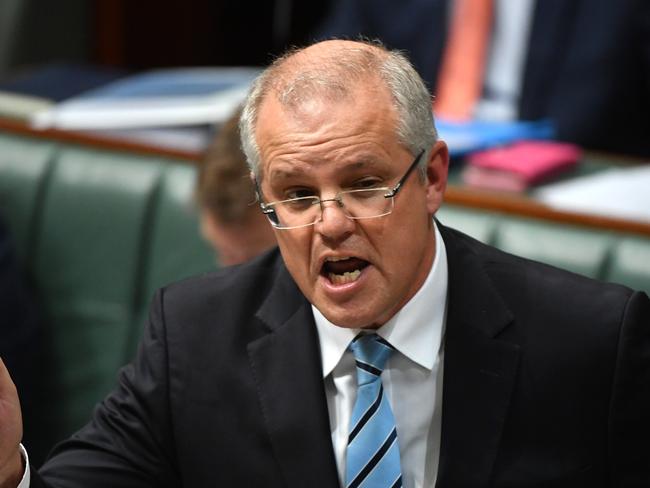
[(358, 273)]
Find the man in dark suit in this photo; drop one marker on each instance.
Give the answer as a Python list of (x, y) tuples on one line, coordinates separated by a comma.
[(586, 64), (246, 377)]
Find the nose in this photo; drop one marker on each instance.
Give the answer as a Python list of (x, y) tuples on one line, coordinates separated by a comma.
[(334, 225)]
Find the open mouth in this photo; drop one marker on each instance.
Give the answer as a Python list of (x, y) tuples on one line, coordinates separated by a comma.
[(343, 270)]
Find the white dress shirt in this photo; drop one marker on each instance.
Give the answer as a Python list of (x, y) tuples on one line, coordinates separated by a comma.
[(412, 377), (24, 483), (504, 70)]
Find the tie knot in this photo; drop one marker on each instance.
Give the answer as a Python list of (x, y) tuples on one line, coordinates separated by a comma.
[(371, 353)]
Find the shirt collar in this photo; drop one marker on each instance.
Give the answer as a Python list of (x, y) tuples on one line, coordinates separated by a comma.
[(415, 330)]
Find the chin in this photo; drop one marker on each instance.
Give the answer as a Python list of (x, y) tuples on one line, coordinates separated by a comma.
[(349, 317)]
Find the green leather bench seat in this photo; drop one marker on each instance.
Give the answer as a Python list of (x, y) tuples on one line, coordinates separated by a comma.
[(98, 231), (480, 225), (24, 164), (94, 221), (174, 251), (597, 253), (581, 251), (630, 263)]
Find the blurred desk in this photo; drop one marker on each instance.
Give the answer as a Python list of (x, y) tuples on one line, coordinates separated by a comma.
[(95, 139), (526, 205)]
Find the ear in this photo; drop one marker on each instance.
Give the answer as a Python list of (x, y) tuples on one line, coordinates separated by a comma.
[(207, 225), (436, 177)]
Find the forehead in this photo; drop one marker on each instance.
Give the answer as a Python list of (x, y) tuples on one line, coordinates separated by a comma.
[(359, 127)]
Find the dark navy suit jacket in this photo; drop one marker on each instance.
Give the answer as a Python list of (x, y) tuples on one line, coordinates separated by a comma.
[(587, 66)]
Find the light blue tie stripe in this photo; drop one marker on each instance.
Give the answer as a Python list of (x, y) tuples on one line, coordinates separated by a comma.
[(384, 474), (373, 452)]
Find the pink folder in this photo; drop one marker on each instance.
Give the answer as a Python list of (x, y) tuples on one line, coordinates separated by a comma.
[(520, 165)]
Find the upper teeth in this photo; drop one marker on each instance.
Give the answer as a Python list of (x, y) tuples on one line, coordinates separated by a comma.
[(337, 258)]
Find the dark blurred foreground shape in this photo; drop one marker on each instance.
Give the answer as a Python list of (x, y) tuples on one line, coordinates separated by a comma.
[(22, 337)]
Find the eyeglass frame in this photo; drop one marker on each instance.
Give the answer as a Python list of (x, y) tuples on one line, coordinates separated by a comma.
[(392, 193)]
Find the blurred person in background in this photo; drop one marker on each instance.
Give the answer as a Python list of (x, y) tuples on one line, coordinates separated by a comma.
[(230, 218), (582, 64)]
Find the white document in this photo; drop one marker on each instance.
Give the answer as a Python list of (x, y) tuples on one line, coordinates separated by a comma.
[(621, 193), (159, 98)]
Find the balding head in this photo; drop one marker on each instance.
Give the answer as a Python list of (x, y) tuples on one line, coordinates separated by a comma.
[(330, 71)]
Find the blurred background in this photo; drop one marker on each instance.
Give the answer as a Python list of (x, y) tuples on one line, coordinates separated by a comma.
[(132, 36), (96, 214)]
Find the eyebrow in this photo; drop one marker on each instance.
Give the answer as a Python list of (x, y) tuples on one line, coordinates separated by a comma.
[(280, 174), (291, 172)]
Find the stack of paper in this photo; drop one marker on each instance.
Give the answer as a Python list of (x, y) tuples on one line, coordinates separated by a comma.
[(617, 192), (22, 107), (160, 98)]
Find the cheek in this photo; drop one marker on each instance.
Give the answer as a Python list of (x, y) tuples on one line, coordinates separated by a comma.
[(295, 246), (406, 239)]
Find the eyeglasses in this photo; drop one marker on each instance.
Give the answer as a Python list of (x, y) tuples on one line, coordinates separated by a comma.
[(364, 203)]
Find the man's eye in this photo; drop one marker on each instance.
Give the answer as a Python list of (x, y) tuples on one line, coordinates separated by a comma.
[(299, 205), (366, 183), (298, 193)]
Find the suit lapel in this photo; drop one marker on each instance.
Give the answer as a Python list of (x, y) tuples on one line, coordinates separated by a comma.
[(287, 368), (479, 371)]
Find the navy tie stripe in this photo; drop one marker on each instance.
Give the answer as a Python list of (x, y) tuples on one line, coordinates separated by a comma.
[(372, 452), (383, 341), (374, 460), (368, 368), (366, 416)]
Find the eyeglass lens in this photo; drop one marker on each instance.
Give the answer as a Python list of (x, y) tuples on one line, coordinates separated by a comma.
[(356, 204)]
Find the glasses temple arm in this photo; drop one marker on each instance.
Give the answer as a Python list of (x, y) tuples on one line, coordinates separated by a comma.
[(399, 184)]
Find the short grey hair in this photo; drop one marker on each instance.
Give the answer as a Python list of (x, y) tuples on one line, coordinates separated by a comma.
[(297, 76)]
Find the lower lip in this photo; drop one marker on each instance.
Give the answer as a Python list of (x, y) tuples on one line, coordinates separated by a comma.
[(341, 290)]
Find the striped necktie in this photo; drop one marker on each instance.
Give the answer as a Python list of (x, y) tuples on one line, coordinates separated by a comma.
[(372, 452)]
